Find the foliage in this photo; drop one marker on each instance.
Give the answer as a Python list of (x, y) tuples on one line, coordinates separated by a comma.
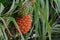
[(45, 15)]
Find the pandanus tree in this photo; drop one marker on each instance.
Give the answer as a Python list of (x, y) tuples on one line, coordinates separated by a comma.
[(29, 19)]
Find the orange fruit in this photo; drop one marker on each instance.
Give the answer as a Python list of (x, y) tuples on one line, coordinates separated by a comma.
[(24, 23)]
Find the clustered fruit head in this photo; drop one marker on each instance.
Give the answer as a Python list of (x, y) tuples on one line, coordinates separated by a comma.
[(24, 23)]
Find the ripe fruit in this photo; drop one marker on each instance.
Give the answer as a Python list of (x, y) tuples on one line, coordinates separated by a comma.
[(24, 23)]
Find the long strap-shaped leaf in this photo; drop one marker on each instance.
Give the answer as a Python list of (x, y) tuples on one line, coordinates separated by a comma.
[(42, 11), (13, 7), (5, 25), (3, 32), (9, 19), (1, 8)]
